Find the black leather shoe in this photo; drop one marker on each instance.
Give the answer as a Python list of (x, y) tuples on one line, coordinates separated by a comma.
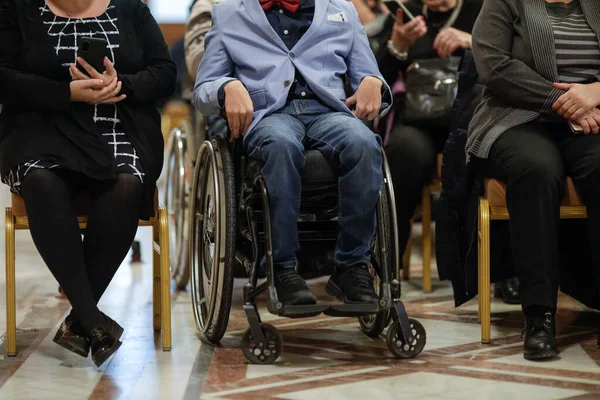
[(352, 285), (292, 290), (540, 342), (103, 345), (508, 291), (71, 336)]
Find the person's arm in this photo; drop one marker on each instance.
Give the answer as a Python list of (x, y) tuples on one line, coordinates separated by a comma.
[(17, 88), (157, 81), (215, 70), (197, 27), (361, 63), (508, 78)]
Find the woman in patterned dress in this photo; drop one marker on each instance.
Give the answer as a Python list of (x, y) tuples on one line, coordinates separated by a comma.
[(63, 131)]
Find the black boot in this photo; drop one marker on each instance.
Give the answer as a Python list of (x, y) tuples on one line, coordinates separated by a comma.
[(352, 285), (292, 290), (508, 291), (103, 345), (540, 341)]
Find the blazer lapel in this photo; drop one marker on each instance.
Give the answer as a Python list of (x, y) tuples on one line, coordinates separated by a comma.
[(260, 19), (319, 17), (592, 14), (542, 38)]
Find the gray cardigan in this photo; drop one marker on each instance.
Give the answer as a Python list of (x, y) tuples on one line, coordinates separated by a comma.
[(513, 46)]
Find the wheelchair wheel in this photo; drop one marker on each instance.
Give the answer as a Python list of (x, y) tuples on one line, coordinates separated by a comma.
[(176, 203), (212, 238), (406, 350), (374, 324), (263, 353)]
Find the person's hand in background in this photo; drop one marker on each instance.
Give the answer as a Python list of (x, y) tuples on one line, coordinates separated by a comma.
[(449, 40), (405, 35)]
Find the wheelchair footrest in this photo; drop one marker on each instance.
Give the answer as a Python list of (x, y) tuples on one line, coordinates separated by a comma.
[(351, 310), (303, 311)]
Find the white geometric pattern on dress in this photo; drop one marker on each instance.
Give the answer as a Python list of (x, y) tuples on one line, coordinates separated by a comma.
[(67, 32)]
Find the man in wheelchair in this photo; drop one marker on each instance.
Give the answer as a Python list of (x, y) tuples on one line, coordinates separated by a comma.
[(277, 69)]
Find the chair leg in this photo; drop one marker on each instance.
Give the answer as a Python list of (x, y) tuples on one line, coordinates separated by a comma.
[(426, 209), (165, 280), (484, 271), (406, 258), (156, 295), (11, 306)]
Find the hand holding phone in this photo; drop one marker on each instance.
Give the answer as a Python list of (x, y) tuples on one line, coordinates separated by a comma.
[(93, 51), (405, 34)]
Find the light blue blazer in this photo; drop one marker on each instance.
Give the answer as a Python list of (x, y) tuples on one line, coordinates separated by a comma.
[(243, 45)]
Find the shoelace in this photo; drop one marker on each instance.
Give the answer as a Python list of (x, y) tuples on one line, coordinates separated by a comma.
[(546, 326), (288, 277), (361, 278)]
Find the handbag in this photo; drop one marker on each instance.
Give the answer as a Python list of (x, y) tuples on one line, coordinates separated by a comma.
[(432, 84)]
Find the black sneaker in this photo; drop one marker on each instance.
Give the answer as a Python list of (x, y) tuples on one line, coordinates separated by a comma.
[(291, 288), (540, 341), (352, 285)]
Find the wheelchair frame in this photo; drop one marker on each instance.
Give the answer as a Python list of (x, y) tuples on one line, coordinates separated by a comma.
[(262, 343)]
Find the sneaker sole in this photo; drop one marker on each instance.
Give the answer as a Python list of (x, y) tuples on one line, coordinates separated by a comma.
[(65, 344), (546, 355), (334, 291)]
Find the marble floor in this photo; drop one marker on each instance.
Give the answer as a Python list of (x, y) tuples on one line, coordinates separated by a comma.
[(324, 358)]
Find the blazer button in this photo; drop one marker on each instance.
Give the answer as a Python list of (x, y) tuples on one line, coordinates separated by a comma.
[(287, 83), (292, 56)]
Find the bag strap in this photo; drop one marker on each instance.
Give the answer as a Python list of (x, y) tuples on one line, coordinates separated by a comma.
[(453, 16)]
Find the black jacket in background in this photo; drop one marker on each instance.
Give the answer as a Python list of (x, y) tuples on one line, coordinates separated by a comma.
[(39, 120), (456, 219)]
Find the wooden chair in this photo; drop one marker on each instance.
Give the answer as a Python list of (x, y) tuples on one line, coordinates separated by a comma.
[(434, 186), (493, 207), (16, 218)]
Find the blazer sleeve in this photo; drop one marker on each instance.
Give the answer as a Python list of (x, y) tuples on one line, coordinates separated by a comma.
[(157, 81), (215, 70), (197, 27), (21, 89), (361, 62), (508, 78)]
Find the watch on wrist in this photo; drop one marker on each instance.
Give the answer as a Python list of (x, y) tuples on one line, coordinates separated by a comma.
[(402, 56)]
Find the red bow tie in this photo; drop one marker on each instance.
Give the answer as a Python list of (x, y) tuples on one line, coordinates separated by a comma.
[(290, 5)]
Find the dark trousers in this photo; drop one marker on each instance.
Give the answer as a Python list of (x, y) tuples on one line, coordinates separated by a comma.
[(85, 268), (412, 156), (534, 160)]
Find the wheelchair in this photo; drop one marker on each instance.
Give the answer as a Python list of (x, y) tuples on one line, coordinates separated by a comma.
[(230, 225)]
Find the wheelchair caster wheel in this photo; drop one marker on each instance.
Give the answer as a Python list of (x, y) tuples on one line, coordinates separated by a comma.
[(397, 345), (263, 353)]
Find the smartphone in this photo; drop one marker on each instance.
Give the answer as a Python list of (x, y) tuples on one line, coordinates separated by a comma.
[(394, 5), (93, 51), (575, 127)]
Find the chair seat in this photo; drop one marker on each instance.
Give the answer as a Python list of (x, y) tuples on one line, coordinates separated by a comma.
[(318, 170), (495, 192), (82, 203)]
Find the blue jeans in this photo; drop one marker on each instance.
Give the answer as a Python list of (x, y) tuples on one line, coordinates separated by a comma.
[(279, 141)]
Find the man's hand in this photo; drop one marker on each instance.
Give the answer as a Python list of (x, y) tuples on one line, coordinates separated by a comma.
[(238, 107), (578, 101), (367, 99), (449, 40), (590, 122)]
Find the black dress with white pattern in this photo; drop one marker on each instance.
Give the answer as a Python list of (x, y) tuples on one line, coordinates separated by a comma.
[(66, 33)]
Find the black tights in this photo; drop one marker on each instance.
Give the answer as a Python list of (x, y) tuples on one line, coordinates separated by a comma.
[(85, 268)]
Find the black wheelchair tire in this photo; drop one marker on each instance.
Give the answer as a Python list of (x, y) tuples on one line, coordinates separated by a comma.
[(212, 318), (374, 325)]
